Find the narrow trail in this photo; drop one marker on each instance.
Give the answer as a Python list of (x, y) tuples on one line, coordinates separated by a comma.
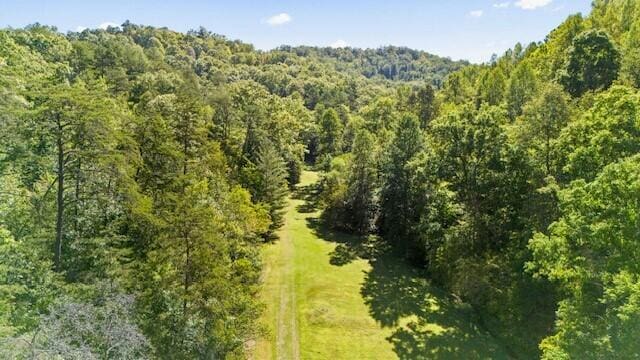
[(326, 298), (288, 346)]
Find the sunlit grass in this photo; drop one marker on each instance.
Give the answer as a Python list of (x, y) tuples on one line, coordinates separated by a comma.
[(346, 307)]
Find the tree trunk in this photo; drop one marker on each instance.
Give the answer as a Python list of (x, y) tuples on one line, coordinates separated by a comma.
[(60, 201), (186, 279), (185, 148)]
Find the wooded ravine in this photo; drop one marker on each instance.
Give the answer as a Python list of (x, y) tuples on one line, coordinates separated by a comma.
[(171, 195)]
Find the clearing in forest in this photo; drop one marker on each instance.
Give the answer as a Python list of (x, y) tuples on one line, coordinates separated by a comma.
[(326, 301)]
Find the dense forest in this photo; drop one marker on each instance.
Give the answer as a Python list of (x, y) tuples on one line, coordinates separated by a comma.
[(389, 62), (142, 170)]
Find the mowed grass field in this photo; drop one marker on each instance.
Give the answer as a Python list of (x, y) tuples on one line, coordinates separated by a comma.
[(324, 300)]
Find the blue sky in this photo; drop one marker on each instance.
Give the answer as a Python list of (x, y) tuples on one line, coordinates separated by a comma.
[(460, 29)]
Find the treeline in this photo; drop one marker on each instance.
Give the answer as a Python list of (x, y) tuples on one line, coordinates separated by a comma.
[(387, 62), (140, 170), (516, 187)]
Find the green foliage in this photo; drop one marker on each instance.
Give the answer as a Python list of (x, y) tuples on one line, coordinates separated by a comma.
[(472, 154), (120, 161), (350, 187), (608, 131), (330, 133), (423, 103), (271, 188), (495, 168), (460, 86), (361, 185), (591, 252), (27, 286), (550, 56), (538, 129), (630, 65), (592, 62), (389, 62), (198, 301), (521, 88), (333, 193), (158, 161), (84, 140), (615, 16), (491, 87), (396, 194), (380, 116)]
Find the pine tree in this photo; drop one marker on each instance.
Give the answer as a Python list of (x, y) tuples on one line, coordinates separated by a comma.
[(396, 195), (81, 130), (361, 201), (271, 188)]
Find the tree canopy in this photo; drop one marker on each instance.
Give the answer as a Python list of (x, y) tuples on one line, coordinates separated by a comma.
[(142, 170)]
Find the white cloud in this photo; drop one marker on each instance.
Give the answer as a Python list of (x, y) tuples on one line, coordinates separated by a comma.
[(105, 25), (476, 13), (532, 4), (502, 5), (279, 19), (339, 44), (80, 28)]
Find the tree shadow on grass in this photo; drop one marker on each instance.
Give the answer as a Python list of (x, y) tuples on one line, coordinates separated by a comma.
[(310, 195), (436, 325), (427, 323), (270, 237), (349, 247)]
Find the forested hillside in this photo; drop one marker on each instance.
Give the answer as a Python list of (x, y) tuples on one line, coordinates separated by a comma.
[(517, 187), (142, 170), (389, 62)]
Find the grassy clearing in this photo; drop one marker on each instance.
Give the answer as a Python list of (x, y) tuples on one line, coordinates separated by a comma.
[(324, 301)]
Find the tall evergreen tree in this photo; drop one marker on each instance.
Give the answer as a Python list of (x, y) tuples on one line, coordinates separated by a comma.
[(362, 183), (80, 129), (271, 188), (396, 197)]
